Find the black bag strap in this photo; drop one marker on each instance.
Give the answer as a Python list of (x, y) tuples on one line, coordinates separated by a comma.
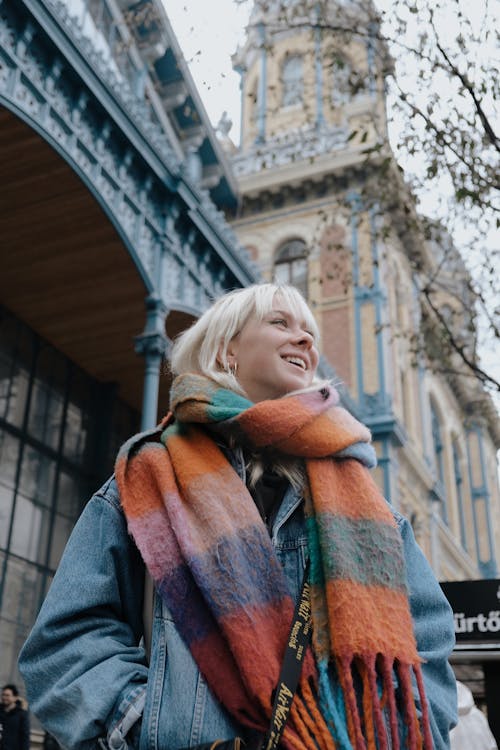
[(298, 641)]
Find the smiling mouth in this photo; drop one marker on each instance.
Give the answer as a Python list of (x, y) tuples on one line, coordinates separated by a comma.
[(297, 361)]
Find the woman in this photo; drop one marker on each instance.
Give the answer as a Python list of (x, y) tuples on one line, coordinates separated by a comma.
[(255, 471)]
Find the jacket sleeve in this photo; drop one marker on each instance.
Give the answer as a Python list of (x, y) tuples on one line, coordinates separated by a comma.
[(83, 664), (435, 636)]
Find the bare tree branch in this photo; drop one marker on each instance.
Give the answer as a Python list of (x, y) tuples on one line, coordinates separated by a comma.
[(460, 349)]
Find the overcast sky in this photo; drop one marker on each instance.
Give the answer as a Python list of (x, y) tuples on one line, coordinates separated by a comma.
[(209, 31)]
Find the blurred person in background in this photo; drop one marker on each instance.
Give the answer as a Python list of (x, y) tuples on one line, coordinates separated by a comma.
[(472, 731), (14, 721)]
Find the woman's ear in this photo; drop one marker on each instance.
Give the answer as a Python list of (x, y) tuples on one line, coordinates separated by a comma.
[(221, 361), (228, 360), (223, 357)]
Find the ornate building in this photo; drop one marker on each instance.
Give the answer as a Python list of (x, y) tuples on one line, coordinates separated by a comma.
[(111, 185)]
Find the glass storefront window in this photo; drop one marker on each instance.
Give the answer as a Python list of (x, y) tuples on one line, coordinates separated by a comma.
[(16, 404), (45, 419), (69, 495), (30, 531), (49, 411), (36, 480), (9, 453), (21, 600), (75, 434)]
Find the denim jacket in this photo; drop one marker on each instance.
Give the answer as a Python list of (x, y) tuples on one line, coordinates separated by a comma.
[(85, 667)]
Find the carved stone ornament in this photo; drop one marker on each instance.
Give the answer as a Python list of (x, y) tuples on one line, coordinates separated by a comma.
[(289, 148)]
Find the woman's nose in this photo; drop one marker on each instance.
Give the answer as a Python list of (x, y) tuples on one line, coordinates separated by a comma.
[(303, 338)]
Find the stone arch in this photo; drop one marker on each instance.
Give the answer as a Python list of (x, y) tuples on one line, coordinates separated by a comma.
[(143, 259)]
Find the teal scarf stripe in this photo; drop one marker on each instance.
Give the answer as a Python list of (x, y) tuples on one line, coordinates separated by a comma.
[(333, 707), (226, 404), (351, 544), (218, 404), (316, 575)]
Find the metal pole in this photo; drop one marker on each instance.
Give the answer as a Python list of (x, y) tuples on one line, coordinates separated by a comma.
[(153, 345)]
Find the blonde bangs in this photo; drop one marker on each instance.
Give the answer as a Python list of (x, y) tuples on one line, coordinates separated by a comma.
[(203, 347), (265, 301)]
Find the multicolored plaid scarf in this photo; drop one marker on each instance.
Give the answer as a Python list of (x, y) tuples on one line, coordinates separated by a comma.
[(212, 561)]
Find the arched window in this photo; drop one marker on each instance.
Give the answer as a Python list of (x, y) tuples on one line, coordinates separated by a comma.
[(348, 83), (293, 80), (437, 444), (290, 265)]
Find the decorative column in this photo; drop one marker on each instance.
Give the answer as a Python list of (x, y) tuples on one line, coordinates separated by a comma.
[(318, 64), (153, 344), (373, 30), (378, 301), (193, 165), (242, 73), (262, 91), (388, 463), (355, 203), (369, 318), (374, 400)]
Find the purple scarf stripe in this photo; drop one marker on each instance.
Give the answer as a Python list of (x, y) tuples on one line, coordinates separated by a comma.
[(243, 558), (183, 598)]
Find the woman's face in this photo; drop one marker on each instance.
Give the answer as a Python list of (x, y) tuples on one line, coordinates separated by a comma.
[(275, 355)]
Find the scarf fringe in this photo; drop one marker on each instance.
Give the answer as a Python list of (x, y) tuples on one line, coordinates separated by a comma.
[(426, 724), (371, 677), (325, 739), (333, 709), (307, 729), (362, 711)]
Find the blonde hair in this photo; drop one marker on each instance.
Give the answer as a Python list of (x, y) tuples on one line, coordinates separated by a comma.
[(202, 348)]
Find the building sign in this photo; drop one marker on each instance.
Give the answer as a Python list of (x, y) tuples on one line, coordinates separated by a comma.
[(476, 609)]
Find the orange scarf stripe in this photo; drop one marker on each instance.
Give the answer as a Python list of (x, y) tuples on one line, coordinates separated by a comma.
[(382, 621), (314, 441), (327, 480)]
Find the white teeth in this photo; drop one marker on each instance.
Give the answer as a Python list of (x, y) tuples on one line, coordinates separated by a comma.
[(296, 361)]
